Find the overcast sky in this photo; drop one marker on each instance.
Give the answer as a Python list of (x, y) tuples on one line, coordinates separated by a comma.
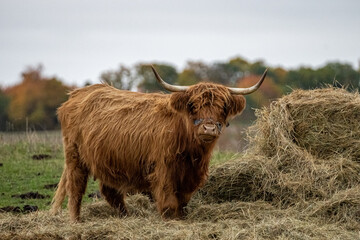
[(77, 40)]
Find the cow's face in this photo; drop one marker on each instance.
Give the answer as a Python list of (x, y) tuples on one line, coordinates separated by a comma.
[(208, 108)]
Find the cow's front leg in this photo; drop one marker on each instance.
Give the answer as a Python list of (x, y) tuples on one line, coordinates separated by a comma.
[(173, 206), (169, 208), (114, 198), (183, 199), (167, 202)]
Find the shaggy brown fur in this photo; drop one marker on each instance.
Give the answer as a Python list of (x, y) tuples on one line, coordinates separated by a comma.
[(140, 142)]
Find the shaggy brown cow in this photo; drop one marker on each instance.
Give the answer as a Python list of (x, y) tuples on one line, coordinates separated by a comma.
[(143, 142)]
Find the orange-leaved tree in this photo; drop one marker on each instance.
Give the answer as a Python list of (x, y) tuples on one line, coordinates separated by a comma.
[(268, 92), (34, 101)]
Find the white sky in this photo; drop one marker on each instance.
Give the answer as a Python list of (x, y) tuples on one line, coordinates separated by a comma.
[(77, 40)]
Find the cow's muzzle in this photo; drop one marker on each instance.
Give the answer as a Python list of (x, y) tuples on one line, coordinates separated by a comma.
[(208, 132)]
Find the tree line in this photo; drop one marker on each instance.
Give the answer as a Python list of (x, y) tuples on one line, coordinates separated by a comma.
[(32, 103)]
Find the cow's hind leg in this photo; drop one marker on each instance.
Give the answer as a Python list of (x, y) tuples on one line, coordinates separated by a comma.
[(59, 194), (114, 198), (77, 177)]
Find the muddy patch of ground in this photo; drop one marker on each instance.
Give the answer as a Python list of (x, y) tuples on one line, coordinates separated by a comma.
[(40, 156), (17, 209), (30, 195)]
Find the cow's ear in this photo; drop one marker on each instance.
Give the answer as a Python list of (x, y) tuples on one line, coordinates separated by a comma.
[(179, 101), (237, 105)]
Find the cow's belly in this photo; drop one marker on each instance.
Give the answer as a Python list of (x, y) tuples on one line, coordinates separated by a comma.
[(127, 179), (123, 181)]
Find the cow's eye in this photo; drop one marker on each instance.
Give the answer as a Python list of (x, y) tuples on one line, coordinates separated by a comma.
[(227, 124), (219, 125), (197, 121)]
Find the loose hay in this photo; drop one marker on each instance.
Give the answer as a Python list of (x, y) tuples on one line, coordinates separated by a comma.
[(230, 220), (299, 179)]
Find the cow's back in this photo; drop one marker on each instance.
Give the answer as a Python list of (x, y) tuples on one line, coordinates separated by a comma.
[(117, 131)]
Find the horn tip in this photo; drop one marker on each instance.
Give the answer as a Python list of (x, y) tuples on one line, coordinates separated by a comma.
[(264, 75), (154, 70)]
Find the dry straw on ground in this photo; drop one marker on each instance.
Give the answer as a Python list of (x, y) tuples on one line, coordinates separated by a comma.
[(299, 179)]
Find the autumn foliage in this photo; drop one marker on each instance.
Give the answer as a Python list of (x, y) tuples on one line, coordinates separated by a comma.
[(33, 102), (269, 91)]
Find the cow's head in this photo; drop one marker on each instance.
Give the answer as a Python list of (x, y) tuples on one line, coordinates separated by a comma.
[(208, 106)]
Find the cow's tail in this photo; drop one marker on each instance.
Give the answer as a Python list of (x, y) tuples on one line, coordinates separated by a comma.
[(59, 194)]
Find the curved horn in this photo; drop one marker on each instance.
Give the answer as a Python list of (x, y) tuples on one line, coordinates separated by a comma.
[(244, 91), (169, 87)]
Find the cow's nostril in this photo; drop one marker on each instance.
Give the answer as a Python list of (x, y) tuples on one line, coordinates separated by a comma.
[(209, 128)]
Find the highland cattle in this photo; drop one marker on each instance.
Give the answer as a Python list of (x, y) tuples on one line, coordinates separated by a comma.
[(143, 142)]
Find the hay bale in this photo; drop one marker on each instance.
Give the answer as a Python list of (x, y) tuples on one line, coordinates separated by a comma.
[(304, 148), (322, 122), (313, 139)]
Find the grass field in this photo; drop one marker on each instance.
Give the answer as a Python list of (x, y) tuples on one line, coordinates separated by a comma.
[(31, 163)]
